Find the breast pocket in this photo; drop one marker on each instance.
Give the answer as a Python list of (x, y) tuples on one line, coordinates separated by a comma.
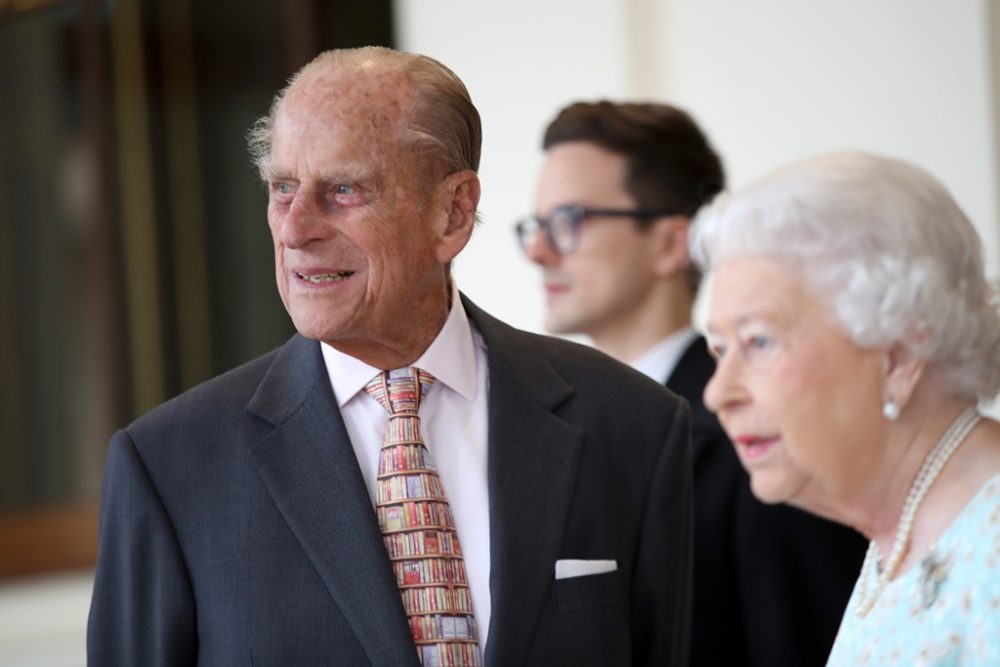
[(590, 591)]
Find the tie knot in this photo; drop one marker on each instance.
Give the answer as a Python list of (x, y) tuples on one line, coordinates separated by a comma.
[(397, 390)]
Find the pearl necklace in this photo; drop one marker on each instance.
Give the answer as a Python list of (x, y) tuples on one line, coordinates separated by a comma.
[(928, 473)]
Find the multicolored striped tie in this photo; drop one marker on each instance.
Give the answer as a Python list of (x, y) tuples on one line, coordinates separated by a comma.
[(419, 530)]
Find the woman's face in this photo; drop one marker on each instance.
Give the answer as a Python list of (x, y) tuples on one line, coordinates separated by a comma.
[(800, 401)]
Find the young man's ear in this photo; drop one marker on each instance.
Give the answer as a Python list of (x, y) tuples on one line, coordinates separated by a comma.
[(670, 238), (461, 197)]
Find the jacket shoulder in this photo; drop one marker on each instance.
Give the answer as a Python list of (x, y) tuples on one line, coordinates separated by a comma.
[(213, 399)]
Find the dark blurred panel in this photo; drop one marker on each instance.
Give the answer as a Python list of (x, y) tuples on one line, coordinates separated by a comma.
[(59, 377), (135, 259)]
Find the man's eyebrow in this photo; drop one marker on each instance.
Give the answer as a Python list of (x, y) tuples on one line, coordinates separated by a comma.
[(271, 173), (349, 175)]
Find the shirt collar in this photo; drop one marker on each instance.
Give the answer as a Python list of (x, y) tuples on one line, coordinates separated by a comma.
[(659, 361), (450, 358)]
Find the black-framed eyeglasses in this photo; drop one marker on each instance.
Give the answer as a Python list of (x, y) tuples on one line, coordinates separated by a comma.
[(562, 227)]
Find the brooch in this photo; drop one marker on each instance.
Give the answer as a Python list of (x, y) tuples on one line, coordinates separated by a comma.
[(933, 573)]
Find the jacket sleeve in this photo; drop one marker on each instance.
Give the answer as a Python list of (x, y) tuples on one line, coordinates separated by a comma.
[(661, 585), (142, 611)]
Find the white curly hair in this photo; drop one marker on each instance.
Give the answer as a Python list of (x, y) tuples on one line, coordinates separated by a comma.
[(888, 248)]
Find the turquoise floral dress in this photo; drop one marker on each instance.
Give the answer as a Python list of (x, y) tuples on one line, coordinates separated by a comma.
[(943, 612)]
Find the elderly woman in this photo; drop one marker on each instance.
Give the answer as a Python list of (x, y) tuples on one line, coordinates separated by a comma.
[(856, 335)]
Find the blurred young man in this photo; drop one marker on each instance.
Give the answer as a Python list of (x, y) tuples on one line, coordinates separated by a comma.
[(615, 198)]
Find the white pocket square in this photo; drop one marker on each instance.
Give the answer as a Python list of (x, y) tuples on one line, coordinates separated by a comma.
[(568, 568)]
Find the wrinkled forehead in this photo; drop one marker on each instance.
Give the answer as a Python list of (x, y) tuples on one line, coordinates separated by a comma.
[(368, 105)]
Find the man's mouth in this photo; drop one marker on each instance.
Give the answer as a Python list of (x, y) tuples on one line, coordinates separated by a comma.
[(556, 287), (321, 278), (555, 282)]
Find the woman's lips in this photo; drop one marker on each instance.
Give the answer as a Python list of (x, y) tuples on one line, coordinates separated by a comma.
[(754, 446)]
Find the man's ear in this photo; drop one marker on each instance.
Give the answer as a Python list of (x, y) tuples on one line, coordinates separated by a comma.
[(902, 372), (669, 236), (461, 197)]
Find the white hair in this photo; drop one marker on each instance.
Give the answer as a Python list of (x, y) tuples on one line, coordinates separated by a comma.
[(885, 244)]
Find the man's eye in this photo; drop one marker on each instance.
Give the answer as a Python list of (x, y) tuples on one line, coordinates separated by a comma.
[(342, 189), (758, 342), (283, 188)]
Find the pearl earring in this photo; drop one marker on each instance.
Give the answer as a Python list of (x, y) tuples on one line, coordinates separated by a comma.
[(890, 410)]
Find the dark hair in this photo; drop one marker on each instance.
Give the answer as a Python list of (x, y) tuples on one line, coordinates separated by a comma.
[(669, 163)]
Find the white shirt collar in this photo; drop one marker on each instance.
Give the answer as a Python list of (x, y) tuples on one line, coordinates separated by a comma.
[(659, 361), (450, 358)]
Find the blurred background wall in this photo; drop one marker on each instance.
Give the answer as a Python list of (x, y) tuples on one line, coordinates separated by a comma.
[(770, 81), (134, 254)]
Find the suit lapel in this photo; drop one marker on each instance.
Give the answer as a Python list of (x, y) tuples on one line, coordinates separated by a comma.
[(310, 470), (533, 460)]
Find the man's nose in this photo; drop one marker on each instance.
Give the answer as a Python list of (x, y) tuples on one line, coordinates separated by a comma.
[(539, 250), (302, 223)]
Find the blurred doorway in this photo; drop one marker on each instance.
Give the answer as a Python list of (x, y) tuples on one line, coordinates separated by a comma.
[(135, 260)]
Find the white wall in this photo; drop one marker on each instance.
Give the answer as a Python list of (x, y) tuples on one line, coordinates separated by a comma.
[(775, 80), (770, 80)]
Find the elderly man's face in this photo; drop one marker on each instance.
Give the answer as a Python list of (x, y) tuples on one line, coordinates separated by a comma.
[(356, 257), (800, 401)]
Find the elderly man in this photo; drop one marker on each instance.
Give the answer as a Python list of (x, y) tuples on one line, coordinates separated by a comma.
[(408, 480), (614, 201)]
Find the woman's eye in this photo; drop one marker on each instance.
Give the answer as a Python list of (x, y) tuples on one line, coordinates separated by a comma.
[(759, 350)]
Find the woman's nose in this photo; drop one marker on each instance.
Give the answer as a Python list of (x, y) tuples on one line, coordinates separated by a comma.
[(723, 387)]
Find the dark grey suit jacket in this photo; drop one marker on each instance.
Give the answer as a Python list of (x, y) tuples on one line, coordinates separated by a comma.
[(236, 528), (770, 581)]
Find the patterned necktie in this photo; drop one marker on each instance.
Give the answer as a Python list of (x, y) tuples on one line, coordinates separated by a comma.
[(419, 530)]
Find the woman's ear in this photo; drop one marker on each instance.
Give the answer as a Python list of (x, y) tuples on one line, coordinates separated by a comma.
[(669, 236), (461, 197), (902, 372)]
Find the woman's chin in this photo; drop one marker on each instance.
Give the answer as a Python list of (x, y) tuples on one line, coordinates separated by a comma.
[(795, 490), (769, 490)]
